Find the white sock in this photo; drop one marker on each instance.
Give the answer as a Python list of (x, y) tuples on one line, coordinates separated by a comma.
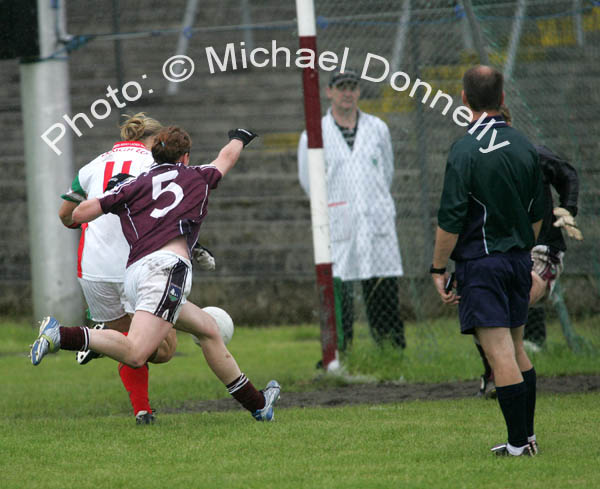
[(531, 438), (515, 450), (86, 338)]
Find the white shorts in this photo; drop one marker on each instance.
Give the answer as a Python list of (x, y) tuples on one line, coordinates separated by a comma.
[(159, 283), (547, 265), (106, 300)]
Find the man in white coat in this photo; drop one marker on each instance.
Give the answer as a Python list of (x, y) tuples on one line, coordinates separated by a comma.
[(360, 165)]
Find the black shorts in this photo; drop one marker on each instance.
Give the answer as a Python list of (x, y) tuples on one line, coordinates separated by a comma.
[(494, 290)]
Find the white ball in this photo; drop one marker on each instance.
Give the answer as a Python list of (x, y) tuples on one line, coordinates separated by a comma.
[(224, 322)]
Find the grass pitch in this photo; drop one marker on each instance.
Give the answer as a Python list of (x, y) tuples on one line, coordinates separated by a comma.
[(64, 425)]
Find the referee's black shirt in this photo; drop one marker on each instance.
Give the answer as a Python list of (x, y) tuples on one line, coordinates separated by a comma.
[(491, 199)]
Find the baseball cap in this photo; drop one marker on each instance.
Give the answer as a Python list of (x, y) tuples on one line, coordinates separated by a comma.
[(338, 77)]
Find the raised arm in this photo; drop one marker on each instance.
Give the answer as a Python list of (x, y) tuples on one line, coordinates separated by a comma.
[(229, 154)]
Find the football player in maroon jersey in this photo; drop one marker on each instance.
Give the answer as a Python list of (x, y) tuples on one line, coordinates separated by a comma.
[(161, 212)]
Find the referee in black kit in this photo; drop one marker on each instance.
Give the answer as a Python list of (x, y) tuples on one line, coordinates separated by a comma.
[(490, 214)]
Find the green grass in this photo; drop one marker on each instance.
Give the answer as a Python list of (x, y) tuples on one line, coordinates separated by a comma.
[(416, 444), (64, 425), (437, 352)]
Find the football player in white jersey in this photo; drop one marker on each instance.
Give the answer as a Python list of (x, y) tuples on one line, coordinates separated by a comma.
[(103, 250)]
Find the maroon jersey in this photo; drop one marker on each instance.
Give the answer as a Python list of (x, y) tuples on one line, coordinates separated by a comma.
[(168, 201)]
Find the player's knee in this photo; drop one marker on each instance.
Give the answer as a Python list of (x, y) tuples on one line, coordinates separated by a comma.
[(210, 330), (518, 345), (163, 354), (210, 335), (165, 350), (538, 288), (136, 361), (498, 357), (171, 343)]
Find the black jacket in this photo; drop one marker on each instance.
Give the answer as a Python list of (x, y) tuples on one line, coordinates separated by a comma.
[(559, 174)]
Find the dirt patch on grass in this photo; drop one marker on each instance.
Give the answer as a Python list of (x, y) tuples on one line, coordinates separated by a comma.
[(379, 393)]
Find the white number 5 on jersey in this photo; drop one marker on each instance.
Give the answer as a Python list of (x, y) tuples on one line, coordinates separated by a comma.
[(157, 190)]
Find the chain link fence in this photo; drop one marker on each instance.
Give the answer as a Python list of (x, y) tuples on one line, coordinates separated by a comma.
[(549, 53), (258, 223)]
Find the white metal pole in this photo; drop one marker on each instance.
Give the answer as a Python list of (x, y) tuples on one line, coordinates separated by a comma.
[(515, 36), (476, 32), (466, 33), (307, 32), (247, 20), (577, 18), (400, 41), (53, 248), (184, 37)]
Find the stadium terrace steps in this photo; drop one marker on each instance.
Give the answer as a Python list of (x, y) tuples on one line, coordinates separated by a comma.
[(267, 233), (257, 299), (260, 208), (258, 224), (260, 185), (265, 261)]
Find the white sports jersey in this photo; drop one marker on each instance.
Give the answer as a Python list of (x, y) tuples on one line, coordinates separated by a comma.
[(103, 250)]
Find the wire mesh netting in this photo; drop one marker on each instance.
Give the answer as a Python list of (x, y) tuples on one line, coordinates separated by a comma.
[(549, 53), (259, 221)]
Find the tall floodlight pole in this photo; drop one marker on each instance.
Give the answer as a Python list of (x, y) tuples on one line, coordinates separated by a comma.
[(52, 247), (307, 31)]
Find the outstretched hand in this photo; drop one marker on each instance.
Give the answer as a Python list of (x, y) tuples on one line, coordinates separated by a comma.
[(567, 222)]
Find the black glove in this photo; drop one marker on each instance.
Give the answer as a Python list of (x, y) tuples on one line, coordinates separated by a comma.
[(244, 135), (117, 180)]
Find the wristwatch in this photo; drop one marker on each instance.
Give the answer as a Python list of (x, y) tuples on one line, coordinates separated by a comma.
[(439, 271)]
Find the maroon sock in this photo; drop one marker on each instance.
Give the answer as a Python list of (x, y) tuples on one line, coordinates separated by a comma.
[(246, 394), (76, 338)]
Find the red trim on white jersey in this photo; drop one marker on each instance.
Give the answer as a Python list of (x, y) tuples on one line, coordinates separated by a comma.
[(128, 144), (84, 227)]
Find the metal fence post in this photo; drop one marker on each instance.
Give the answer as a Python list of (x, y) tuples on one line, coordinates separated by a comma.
[(53, 248), (476, 32)]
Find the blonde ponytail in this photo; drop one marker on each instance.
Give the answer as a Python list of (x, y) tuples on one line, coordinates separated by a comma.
[(139, 127)]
